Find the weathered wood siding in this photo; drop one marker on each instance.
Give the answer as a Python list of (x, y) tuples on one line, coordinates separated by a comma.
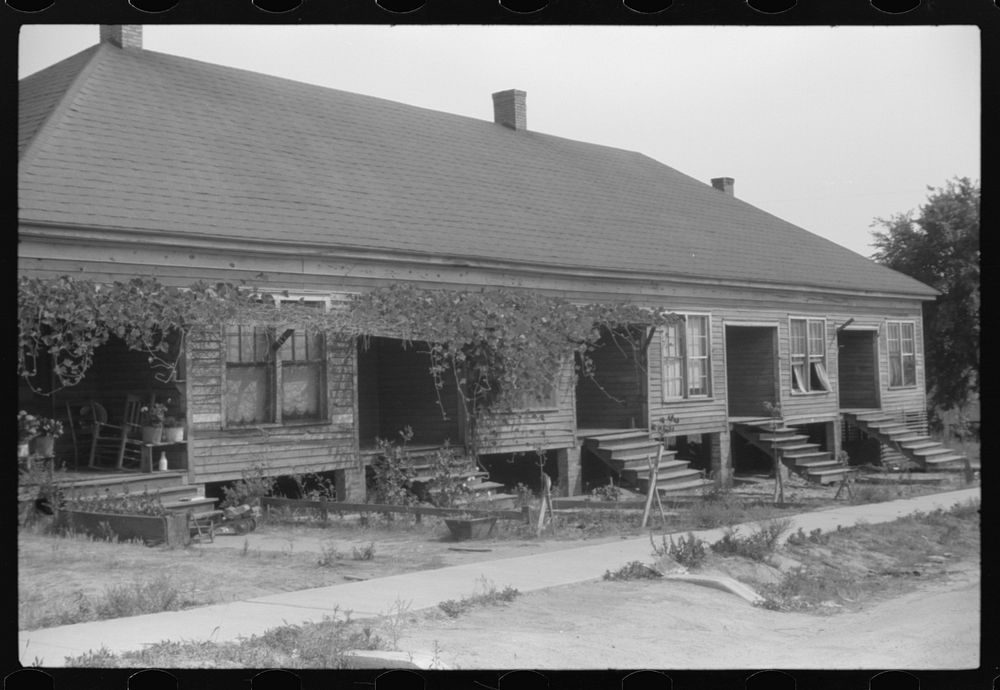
[(222, 454), (537, 429)]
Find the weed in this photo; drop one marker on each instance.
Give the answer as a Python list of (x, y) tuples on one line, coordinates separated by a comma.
[(489, 596), (815, 536), (634, 570), (246, 547), (802, 589), (313, 487), (329, 555), (609, 492), (365, 554), (689, 552), (452, 471), (394, 619), (119, 504), (141, 597), (760, 544), (525, 497)]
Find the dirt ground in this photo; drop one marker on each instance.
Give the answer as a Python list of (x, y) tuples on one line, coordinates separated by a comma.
[(676, 625)]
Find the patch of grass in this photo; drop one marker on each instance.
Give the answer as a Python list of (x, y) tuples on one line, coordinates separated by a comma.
[(800, 538), (634, 570), (329, 555), (117, 601), (689, 552), (757, 546), (489, 596), (311, 645)]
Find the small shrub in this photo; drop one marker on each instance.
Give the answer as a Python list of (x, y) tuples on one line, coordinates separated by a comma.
[(365, 554), (314, 487), (119, 504), (452, 471), (634, 570), (252, 485), (391, 471), (760, 544), (329, 556), (816, 536), (689, 552), (525, 496)]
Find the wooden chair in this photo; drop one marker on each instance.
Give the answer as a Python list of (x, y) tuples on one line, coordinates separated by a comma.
[(118, 443)]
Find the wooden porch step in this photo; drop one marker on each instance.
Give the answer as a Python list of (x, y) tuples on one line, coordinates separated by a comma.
[(919, 445), (781, 438), (932, 452), (868, 417), (828, 476), (694, 486), (786, 451), (666, 463), (641, 477), (642, 456), (814, 460), (907, 436), (612, 435), (626, 444), (683, 477), (429, 478), (952, 460), (485, 486)]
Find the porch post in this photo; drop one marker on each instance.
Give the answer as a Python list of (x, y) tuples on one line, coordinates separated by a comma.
[(833, 440), (569, 471), (720, 448), (350, 484)]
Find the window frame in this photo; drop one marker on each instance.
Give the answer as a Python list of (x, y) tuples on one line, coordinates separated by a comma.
[(901, 355), (684, 358), (823, 373), (274, 369)]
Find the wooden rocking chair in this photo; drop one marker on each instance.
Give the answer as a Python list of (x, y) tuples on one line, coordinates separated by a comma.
[(121, 443)]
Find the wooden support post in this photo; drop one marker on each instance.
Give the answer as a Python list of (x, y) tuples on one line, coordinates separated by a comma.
[(545, 505)]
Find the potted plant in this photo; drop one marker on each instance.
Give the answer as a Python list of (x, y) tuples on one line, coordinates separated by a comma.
[(470, 526), (27, 429), (173, 430), (152, 418), (48, 431)]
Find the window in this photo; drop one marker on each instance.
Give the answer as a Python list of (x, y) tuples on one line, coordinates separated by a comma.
[(274, 375), (808, 354), (902, 353), (686, 364)]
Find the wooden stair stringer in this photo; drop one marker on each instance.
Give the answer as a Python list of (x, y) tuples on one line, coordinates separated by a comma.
[(922, 452), (627, 454)]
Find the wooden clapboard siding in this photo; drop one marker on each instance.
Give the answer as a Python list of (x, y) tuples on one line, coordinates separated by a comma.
[(537, 429), (222, 454)]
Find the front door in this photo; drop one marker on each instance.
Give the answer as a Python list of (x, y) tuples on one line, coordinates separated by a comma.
[(857, 369), (751, 369)]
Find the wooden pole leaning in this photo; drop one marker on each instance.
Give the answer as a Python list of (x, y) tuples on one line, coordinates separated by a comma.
[(651, 490), (545, 506)]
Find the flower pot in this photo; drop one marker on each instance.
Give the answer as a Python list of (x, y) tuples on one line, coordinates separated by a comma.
[(44, 446), (152, 434), (173, 434), (470, 528)]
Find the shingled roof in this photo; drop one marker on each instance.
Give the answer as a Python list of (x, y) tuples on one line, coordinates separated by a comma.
[(146, 142)]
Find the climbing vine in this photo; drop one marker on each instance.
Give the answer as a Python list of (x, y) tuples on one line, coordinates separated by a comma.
[(498, 346)]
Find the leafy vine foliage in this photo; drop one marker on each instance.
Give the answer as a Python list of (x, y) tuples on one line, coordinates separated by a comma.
[(501, 347)]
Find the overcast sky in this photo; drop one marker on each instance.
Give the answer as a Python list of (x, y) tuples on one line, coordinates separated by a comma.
[(825, 127)]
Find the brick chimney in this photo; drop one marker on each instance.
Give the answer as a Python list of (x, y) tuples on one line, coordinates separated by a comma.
[(122, 35), (509, 109), (723, 184)]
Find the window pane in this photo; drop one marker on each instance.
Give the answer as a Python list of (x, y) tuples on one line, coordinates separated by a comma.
[(798, 338), (818, 378), (892, 334), (247, 395), (907, 345), (909, 370), (697, 345), (300, 390), (817, 345), (895, 371), (673, 379), (698, 377), (799, 377)]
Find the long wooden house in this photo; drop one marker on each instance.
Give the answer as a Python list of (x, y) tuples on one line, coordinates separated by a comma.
[(137, 163)]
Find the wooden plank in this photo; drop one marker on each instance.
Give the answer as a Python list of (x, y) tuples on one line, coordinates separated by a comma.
[(338, 507)]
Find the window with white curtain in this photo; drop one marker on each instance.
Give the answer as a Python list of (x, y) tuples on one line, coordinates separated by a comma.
[(808, 354), (901, 337), (686, 360)]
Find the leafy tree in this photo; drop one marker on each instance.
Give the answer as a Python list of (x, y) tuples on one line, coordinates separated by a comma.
[(939, 246)]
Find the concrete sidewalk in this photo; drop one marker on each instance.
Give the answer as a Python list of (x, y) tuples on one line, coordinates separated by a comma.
[(418, 590)]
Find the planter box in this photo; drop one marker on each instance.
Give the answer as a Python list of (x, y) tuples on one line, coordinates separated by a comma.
[(470, 528), (171, 529)]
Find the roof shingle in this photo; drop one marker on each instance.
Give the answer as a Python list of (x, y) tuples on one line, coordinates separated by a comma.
[(162, 143)]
